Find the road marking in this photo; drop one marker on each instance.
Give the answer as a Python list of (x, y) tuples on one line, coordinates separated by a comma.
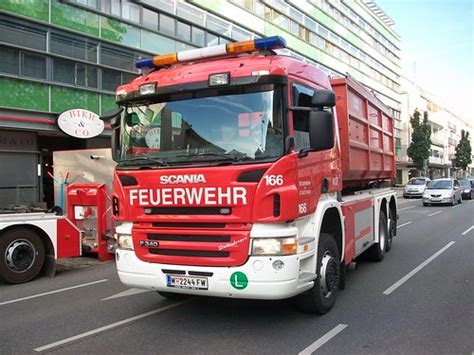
[(323, 340), (432, 214), (52, 292), (130, 292), (467, 230), (405, 208), (415, 270), (107, 327), (404, 224)]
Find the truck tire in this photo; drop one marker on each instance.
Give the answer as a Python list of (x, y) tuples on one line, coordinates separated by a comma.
[(392, 230), (173, 296), (322, 296), (377, 251), (21, 255)]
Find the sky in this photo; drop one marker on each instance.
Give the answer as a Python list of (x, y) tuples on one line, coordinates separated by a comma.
[(437, 42)]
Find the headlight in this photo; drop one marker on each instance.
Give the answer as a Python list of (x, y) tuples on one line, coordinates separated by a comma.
[(274, 246), (125, 241)]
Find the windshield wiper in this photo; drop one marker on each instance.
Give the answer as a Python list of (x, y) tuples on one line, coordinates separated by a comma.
[(210, 154), (158, 161)]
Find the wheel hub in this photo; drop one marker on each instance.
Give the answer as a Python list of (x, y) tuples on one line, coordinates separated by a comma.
[(328, 280), (20, 255)]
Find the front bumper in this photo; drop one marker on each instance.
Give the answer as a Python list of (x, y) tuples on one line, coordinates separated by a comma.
[(264, 282), (437, 200), (412, 194)]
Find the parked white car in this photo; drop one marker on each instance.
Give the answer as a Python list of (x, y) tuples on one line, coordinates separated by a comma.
[(415, 187), (442, 191)]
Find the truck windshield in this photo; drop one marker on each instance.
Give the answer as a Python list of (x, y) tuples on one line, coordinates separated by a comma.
[(239, 125)]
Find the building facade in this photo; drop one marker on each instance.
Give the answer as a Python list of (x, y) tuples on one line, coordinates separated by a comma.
[(66, 54), (446, 128)]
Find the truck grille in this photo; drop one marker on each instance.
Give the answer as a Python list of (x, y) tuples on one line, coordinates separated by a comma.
[(191, 246)]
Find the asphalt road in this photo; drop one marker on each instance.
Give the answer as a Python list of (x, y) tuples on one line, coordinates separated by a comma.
[(418, 300)]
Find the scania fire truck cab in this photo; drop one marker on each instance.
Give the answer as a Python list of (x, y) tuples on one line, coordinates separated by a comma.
[(229, 177)]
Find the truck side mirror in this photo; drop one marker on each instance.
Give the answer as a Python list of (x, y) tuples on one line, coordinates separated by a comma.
[(321, 131), (323, 98), (112, 116)]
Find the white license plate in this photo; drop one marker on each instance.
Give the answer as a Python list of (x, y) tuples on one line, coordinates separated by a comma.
[(435, 199), (193, 283)]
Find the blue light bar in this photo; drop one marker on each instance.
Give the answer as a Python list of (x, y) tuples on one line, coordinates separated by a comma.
[(270, 43), (144, 63)]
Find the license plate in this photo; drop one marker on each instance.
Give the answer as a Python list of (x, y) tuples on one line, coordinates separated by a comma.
[(193, 283), (435, 199)]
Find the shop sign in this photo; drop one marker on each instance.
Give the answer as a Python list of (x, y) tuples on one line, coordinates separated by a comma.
[(17, 141), (80, 123)]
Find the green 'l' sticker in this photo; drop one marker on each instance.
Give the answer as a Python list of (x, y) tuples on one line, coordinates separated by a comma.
[(239, 280)]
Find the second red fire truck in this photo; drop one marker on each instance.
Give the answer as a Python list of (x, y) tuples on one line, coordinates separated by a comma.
[(238, 172)]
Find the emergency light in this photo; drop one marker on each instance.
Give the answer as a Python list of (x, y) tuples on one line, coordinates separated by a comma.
[(249, 46)]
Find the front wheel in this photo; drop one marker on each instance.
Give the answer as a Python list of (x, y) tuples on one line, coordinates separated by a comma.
[(21, 255), (322, 296)]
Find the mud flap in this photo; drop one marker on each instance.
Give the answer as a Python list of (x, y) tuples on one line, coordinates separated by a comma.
[(49, 267)]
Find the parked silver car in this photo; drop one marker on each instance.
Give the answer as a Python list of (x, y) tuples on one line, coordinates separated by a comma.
[(442, 191), (415, 187)]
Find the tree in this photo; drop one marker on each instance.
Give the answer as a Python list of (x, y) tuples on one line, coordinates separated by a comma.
[(419, 149), (463, 152)]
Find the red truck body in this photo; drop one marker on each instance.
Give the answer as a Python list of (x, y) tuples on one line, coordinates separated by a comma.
[(366, 134), (247, 227)]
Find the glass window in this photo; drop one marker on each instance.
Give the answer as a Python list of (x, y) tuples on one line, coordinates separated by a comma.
[(117, 58), (296, 15), (115, 8), (73, 46), (26, 36), (240, 34), (86, 75), (9, 62), (167, 24), (150, 19), (183, 31), (111, 79), (198, 36), (259, 9), (130, 11), (310, 23), (211, 40), (217, 25), (63, 71), (323, 32), (105, 6), (301, 97), (294, 28), (190, 13), (33, 65), (167, 5)]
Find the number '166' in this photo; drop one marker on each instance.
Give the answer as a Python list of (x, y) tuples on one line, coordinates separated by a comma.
[(274, 180)]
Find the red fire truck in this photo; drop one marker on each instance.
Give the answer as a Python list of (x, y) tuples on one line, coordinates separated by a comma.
[(242, 173)]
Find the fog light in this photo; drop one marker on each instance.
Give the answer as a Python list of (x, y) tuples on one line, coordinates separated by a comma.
[(278, 264)]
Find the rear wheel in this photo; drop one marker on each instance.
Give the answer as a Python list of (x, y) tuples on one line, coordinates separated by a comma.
[(21, 255), (377, 251), (321, 298), (392, 229)]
